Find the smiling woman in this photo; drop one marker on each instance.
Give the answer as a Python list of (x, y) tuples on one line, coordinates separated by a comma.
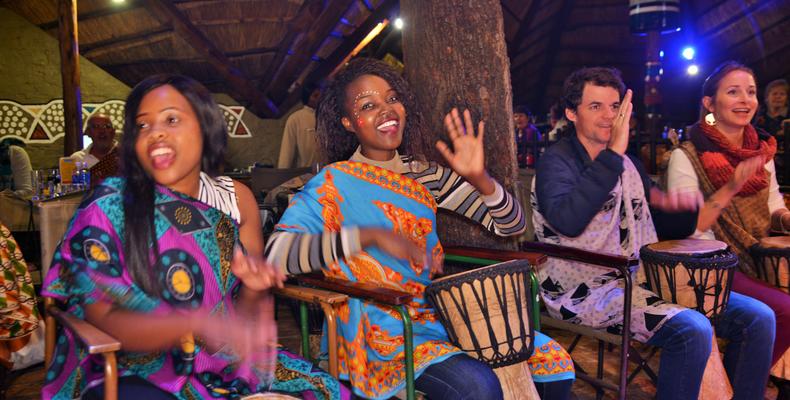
[(732, 163), (371, 217)]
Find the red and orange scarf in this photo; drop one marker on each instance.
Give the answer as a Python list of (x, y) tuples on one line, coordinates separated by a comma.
[(720, 157)]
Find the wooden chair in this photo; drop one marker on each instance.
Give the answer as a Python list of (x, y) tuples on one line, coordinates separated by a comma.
[(619, 263), (386, 297)]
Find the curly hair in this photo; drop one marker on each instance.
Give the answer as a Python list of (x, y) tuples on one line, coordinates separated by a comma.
[(573, 87), (139, 235), (339, 144)]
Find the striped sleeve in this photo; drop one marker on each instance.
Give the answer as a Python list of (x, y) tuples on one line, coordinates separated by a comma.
[(298, 253), (499, 212)]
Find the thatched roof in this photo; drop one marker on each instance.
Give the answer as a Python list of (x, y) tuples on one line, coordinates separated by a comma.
[(262, 51)]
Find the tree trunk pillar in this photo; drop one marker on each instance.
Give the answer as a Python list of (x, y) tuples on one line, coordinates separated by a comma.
[(455, 56)]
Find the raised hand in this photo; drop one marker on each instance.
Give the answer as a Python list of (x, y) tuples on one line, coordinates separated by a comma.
[(255, 273), (467, 157), (744, 171), (618, 142)]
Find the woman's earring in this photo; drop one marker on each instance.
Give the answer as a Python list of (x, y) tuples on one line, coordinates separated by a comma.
[(710, 119)]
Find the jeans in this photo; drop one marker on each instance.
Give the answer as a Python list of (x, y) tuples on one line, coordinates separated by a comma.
[(459, 377), (685, 342)]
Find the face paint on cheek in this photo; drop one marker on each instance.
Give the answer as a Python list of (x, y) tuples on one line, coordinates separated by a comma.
[(360, 122)]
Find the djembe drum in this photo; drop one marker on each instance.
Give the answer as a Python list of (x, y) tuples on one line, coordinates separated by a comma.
[(696, 274), (692, 273), (269, 396), (771, 257), (486, 314)]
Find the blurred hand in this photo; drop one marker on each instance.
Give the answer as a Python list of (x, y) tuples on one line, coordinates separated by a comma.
[(252, 338), (254, 272), (744, 171), (676, 201), (395, 245), (618, 142)]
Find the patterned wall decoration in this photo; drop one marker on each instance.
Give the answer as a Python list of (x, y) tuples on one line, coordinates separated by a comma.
[(43, 123)]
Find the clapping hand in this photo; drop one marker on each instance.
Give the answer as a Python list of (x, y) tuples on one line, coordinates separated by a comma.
[(254, 272), (618, 142), (744, 171), (676, 201)]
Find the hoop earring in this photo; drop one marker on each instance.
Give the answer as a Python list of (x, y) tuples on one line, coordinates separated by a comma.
[(710, 119)]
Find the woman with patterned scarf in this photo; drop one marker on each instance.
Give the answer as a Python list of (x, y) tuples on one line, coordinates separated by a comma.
[(731, 162)]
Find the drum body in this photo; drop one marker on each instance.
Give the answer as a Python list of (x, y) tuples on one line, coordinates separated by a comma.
[(771, 257), (692, 273), (486, 313)]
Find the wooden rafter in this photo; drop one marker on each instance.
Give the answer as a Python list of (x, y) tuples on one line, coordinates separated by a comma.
[(523, 28), (732, 19), (102, 12), (243, 89), (351, 42), (309, 11), (126, 41), (554, 47), (304, 48), (341, 52)]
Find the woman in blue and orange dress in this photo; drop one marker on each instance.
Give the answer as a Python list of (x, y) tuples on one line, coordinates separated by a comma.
[(371, 217)]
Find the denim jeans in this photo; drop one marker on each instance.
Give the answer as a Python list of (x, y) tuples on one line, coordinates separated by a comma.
[(685, 342), (459, 377), (463, 377)]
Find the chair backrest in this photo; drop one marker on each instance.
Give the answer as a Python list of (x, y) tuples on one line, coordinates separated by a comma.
[(265, 179), (54, 217)]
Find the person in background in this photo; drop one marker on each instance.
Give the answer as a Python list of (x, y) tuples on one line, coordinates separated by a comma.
[(18, 311), (299, 146), (732, 163), (15, 169), (101, 156), (102, 133), (558, 123), (527, 134), (775, 109)]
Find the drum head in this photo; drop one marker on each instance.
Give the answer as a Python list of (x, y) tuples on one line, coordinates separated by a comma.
[(775, 242), (476, 270), (688, 246), (269, 396)]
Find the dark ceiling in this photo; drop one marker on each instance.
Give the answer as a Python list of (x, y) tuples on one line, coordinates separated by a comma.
[(262, 51)]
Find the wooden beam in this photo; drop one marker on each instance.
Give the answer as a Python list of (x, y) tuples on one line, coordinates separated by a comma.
[(242, 88), (310, 10), (124, 42), (102, 12), (68, 41), (732, 19), (523, 28), (237, 21), (351, 42), (341, 52), (554, 47), (304, 48)]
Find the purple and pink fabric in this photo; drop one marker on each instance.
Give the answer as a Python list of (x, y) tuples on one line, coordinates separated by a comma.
[(192, 269)]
